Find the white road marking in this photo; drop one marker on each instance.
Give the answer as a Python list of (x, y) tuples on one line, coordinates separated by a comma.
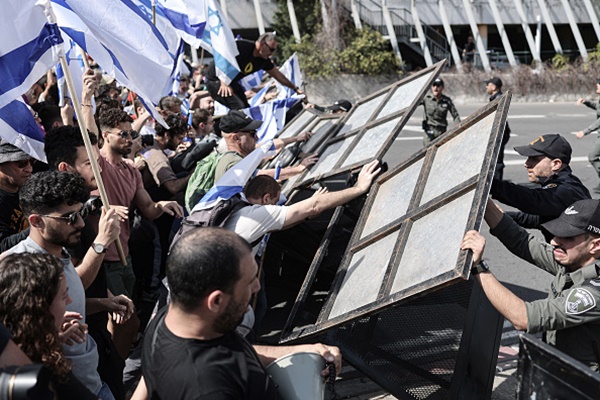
[(532, 116)]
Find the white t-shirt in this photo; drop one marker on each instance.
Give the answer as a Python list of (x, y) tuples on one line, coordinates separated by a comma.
[(253, 222)]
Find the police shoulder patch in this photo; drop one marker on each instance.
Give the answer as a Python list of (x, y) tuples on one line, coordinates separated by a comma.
[(595, 282), (579, 301), (550, 186)]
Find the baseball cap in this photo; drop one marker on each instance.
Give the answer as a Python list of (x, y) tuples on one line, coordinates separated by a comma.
[(340, 105), (9, 153), (438, 82), (495, 80), (237, 121), (551, 145), (581, 217)]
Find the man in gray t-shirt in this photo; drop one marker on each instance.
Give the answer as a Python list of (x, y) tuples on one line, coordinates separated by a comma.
[(54, 205)]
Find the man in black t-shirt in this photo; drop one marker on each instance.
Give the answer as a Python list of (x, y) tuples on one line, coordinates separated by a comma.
[(191, 350), (252, 57)]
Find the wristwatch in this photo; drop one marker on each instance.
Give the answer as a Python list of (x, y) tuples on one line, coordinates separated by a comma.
[(99, 248), (480, 267)]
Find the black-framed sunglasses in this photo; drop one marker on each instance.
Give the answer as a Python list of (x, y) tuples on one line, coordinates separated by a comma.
[(271, 49), (25, 163), (123, 134), (71, 218)]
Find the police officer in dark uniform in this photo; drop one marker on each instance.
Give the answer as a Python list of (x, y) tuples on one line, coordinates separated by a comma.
[(547, 165), (493, 87), (436, 106), (570, 316)]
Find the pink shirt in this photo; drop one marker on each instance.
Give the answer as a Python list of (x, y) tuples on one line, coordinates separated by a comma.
[(121, 181)]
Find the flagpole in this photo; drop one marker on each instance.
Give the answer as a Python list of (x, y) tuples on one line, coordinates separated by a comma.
[(154, 12), (88, 145), (86, 62)]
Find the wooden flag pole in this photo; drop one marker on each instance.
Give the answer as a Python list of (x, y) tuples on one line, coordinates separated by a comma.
[(88, 146)]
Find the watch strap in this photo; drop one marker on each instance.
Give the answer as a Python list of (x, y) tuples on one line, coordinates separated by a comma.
[(480, 267)]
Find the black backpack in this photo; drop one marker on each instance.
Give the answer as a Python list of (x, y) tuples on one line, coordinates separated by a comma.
[(215, 216)]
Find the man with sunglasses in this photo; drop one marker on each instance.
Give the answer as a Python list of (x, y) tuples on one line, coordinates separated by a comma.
[(435, 112), (15, 169), (253, 56), (53, 202)]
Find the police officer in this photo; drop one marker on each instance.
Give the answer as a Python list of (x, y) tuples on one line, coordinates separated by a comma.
[(493, 87), (547, 166), (436, 106), (594, 155), (570, 315)]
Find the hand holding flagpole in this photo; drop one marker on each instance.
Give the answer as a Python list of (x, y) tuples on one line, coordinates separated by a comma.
[(88, 145)]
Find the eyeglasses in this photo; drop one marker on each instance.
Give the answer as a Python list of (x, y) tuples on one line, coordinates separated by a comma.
[(437, 84), (133, 133), (252, 133), (71, 218), (271, 49), (25, 163)]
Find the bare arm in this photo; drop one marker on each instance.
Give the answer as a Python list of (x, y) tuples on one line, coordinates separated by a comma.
[(152, 210), (90, 84), (503, 300), (109, 228), (493, 214), (281, 143), (315, 205), (141, 392), (143, 116), (268, 354), (176, 185), (275, 73), (288, 172)]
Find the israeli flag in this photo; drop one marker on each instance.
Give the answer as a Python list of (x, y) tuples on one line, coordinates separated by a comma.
[(180, 18), (124, 43), (18, 127), (30, 45), (291, 70), (163, 23), (260, 95), (253, 80), (234, 180), (217, 39)]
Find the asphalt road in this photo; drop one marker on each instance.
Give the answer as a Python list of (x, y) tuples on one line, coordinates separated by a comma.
[(527, 121)]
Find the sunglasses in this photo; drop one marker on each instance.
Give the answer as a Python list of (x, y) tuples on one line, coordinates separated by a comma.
[(71, 218), (25, 163), (271, 49), (123, 134)]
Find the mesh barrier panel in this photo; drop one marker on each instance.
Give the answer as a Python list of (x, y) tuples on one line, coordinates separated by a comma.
[(412, 347)]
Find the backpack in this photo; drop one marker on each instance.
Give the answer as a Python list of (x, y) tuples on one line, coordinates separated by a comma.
[(215, 216), (201, 180)]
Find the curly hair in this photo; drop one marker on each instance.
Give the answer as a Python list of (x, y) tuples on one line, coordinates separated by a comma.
[(45, 191), (177, 126), (60, 145), (28, 285), (112, 117)]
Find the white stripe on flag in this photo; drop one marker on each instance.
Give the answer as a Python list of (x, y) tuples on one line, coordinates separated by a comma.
[(18, 127), (30, 46)]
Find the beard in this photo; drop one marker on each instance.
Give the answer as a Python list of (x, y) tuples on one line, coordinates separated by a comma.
[(63, 239), (231, 317)]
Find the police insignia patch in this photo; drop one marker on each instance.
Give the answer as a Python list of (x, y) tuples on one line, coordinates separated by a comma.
[(579, 301), (595, 282), (550, 186)]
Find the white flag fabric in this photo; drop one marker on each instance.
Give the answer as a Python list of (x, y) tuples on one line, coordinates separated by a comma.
[(18, 127), (217, 38), (253, 80), (291, 70), (124, 43), (30, 45), (77, 68), (233, 181), (180, 18)]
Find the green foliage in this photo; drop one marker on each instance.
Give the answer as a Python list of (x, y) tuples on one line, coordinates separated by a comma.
[(307, 15), (560, 62), (366, 53), (594, 55)]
